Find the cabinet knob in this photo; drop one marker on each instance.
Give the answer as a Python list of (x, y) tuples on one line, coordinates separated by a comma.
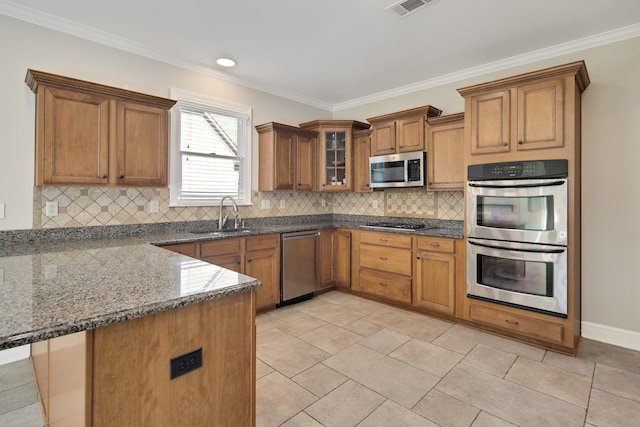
[(104, 176), (238, 262), (520, 142), (121, 176), (417, 257), (504, 144), (249, 260)]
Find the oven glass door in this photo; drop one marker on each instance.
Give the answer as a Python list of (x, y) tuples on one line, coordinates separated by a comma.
[(529, 276), (524, 210)]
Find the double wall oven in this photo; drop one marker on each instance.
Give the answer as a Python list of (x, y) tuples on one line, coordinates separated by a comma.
[(517, 234)]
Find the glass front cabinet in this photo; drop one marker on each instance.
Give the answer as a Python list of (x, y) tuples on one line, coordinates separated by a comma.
[(335, 153)]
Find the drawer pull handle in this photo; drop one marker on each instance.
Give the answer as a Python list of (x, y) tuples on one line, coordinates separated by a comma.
[(383, 240), (383, 284), (511, 322), (434, 244), (384, 258)]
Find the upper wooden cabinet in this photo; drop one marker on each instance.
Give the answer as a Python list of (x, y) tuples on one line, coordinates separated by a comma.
[(525, 113), (287, 157), (400, 132), (334, 152), (445, 153), (361, 154), (90, 134)]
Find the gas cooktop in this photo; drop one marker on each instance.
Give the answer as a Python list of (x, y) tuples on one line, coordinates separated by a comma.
[(394, 226)]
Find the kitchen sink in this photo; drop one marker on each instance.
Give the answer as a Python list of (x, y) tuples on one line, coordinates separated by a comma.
[(218, 232)]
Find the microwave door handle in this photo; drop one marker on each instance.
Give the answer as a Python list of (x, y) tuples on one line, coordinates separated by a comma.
[(542, 251), (544, 184)]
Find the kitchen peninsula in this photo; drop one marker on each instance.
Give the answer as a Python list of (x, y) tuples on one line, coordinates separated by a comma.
[(106, 316)]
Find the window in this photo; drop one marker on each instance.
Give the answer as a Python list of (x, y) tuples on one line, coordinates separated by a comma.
[(210, 151)]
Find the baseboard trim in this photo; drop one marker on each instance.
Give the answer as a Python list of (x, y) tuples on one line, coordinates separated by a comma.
[(610, 335)]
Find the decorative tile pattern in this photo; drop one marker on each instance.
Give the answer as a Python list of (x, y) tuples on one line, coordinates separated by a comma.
[(96, 206)]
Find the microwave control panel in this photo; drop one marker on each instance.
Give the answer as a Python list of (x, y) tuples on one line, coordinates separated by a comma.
[(518, 170)]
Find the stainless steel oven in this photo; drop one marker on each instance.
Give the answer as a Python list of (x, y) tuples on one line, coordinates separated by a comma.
[(517, 234), (530, 276)]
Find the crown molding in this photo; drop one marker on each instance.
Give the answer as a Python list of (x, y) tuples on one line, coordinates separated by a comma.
[(82, 31), (578, 45), (88, 33)]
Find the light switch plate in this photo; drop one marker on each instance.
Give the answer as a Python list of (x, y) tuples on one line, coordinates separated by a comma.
[(282, 204), (154, 206), (266, 204), (375, 204)]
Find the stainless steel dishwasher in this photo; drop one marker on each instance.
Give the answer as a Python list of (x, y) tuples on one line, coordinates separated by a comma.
[(300, 251)]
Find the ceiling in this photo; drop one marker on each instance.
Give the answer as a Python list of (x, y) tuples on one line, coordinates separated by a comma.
[(338, 53)]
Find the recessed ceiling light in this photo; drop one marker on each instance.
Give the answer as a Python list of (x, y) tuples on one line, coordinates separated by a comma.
[(226, 62)]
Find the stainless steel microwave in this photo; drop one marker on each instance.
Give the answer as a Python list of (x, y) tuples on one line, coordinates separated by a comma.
[(397, 170)]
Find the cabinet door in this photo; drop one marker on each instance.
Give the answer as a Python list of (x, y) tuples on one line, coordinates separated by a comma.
[(141, 154), (264, 265), (73, 139), (445, 157), (305, 163), (342, 258), (490, 121), (410, 134), (435, 282), (383, 138), (540, 115), (335, 159), (361, 154), (283, 169), (327, 242)]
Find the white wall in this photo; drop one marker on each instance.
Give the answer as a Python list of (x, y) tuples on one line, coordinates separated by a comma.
[(610, 181), (50, 51)]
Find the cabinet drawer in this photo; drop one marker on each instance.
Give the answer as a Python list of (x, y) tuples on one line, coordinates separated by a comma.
[(386, 239), (257, 243), (392, 260), (387, 285), (531, 327), (219, 247), (436, 244), (188, 249)]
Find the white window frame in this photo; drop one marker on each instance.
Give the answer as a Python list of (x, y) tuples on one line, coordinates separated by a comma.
[(186, 98)]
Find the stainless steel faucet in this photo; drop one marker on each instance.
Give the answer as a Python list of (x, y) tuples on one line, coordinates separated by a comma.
[(221, 220)]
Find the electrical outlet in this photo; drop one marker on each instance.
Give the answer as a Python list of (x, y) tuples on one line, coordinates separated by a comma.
[(266, 204), (374, 204), (323, 202), (154, 206), (282, 204), (51, 209), (50, 271), (186, 363)]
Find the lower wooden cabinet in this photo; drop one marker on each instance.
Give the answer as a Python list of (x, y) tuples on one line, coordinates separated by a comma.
[(326, 260), (435, 275), (118, 375), (256, 256), (342, 258)]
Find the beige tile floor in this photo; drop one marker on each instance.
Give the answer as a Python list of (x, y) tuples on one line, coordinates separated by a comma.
[(340, 360)]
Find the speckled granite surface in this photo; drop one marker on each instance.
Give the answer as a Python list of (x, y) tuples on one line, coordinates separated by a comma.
[(59, 281)]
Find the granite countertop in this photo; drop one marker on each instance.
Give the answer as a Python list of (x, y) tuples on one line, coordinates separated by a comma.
[(60, 281)]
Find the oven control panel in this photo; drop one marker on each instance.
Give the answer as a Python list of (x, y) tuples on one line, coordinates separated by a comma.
[(518, 170)]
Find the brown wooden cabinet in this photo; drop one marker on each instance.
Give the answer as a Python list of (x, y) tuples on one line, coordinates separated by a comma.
[(384, 265), (342, 258), (400, 132), (525, 113), (435, 274), (326, 261), (334, 152), (287, 158), (445, 153), (90, 134), (119, 374), (361, 154), (255, 256)]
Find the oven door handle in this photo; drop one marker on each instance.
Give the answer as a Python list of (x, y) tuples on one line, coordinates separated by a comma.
[(541, 251), (544, 184)]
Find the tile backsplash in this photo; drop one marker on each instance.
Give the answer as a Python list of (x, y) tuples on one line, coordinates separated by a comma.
[(89, 206)]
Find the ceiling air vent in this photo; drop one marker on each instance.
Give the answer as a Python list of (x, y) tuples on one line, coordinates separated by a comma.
[(406, 7)]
